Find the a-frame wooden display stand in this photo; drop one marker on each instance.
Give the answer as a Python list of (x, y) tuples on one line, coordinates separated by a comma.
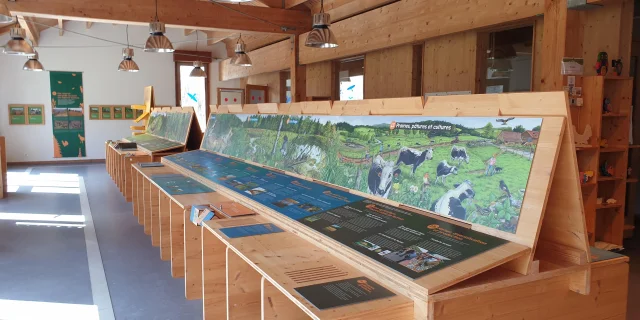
[(550, 242)]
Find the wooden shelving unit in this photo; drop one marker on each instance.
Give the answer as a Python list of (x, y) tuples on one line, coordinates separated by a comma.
[(606, 223)]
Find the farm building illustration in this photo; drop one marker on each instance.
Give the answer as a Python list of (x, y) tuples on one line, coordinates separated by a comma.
[(473, 169)]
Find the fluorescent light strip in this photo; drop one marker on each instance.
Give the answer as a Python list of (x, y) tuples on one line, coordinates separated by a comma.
[(49, 224), (18, 310), (16, 216)]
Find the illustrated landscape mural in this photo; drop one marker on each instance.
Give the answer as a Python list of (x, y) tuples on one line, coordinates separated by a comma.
[(170, 125), (475, 168)]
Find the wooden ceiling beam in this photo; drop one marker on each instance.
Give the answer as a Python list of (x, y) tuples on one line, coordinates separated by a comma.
[(411, 21), (272, 58), (343, 9), (60, 27), (214, 37), (31, 29), (189, 31), (176, 14)]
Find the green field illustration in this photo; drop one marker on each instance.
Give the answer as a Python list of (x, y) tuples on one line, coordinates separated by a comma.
[(170, 125), (473, 169)]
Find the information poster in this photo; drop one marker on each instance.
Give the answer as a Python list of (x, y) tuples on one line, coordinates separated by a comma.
[(117, 112), (106, 113), (16, 115), (343, 292), (94, 113), (474, 169), (68, 114), (410, 243), (128, 113), (250, 230), (36, 114)]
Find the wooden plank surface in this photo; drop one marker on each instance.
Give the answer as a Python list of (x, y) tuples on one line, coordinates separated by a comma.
[(177, 240), (243, 289), (165, 224), (154, 205), (214, 278)]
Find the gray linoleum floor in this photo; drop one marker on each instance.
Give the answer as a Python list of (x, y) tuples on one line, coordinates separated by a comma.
[(39, 263), (42, 263)]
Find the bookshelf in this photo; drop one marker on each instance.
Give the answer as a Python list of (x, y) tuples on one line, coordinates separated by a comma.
[(608, 146)]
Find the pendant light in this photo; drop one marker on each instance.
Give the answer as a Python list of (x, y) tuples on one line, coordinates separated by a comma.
[(198, 67), (127, 64), (33, 64), (321, 36), (18, 45), (5, 15), (241, 58), (157, 41)]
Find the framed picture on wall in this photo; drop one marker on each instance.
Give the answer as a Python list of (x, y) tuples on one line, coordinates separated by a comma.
[(26, 114), (117, 112), (17, 114), (106, 112), (128, 113), (257, 94), (35, 114), (94, 113), (228, 96)]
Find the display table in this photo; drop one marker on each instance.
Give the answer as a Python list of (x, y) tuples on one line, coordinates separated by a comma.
[(466, 241)]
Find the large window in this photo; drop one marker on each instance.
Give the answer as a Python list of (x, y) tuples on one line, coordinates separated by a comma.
[(191, 91), (351, 78)]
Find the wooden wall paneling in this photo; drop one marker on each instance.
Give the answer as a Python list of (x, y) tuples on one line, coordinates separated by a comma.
[(536, 63), (482, 45), (449, 63), (601, 33), (243, 289), (270, 79), (553, 45), (271, 58), (416, 71), (397, 106), (320, 79), (409, 21), (388, 73)]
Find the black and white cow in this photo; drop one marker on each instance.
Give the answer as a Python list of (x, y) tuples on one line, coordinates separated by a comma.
[(459, 153), (413, 157), (450, 203), (444, 170), (381, 176)]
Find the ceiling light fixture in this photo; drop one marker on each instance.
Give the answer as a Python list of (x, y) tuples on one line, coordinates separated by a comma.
[(198, 67), (5, 15), (127, 64), (18, 45), (33, 64), (241, 58), (157, 41), (321, 36)]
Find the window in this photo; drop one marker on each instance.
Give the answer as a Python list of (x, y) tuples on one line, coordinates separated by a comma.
[(193, 92), (351, 78), (509, 57)]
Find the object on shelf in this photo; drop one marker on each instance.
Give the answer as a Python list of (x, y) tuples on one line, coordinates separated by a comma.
[(606, 170), (604, 143), (629, 170), (602, 64), (611, 201), (598, 200), (582, 139), (585, 176), (616, 65), (606, 106)]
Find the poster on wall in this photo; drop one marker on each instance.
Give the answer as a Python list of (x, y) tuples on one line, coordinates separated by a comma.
[(471, 168), (227, 96), (67, 114), (16, 114)]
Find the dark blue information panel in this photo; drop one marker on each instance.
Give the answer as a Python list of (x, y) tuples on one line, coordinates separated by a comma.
[(250, 230), (176, 184), (408, 242)]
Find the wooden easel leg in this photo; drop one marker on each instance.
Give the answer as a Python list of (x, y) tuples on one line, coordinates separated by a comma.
[(276, 305), (243, 289), (177, 240), (165, 230), (192, 258), (214, 278)]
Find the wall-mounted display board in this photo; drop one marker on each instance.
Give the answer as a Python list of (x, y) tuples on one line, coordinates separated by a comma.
[(227, 96), (26, 114), (67, 96), (257, 94), (111, 112)]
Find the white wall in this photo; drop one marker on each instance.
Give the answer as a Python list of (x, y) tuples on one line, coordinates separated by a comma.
[(102, 83)]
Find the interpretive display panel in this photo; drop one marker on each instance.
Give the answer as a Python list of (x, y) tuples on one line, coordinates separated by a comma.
[(175, 184), (170, 125), (408, 242), (153, 143), (471, 168), (343, 292)]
